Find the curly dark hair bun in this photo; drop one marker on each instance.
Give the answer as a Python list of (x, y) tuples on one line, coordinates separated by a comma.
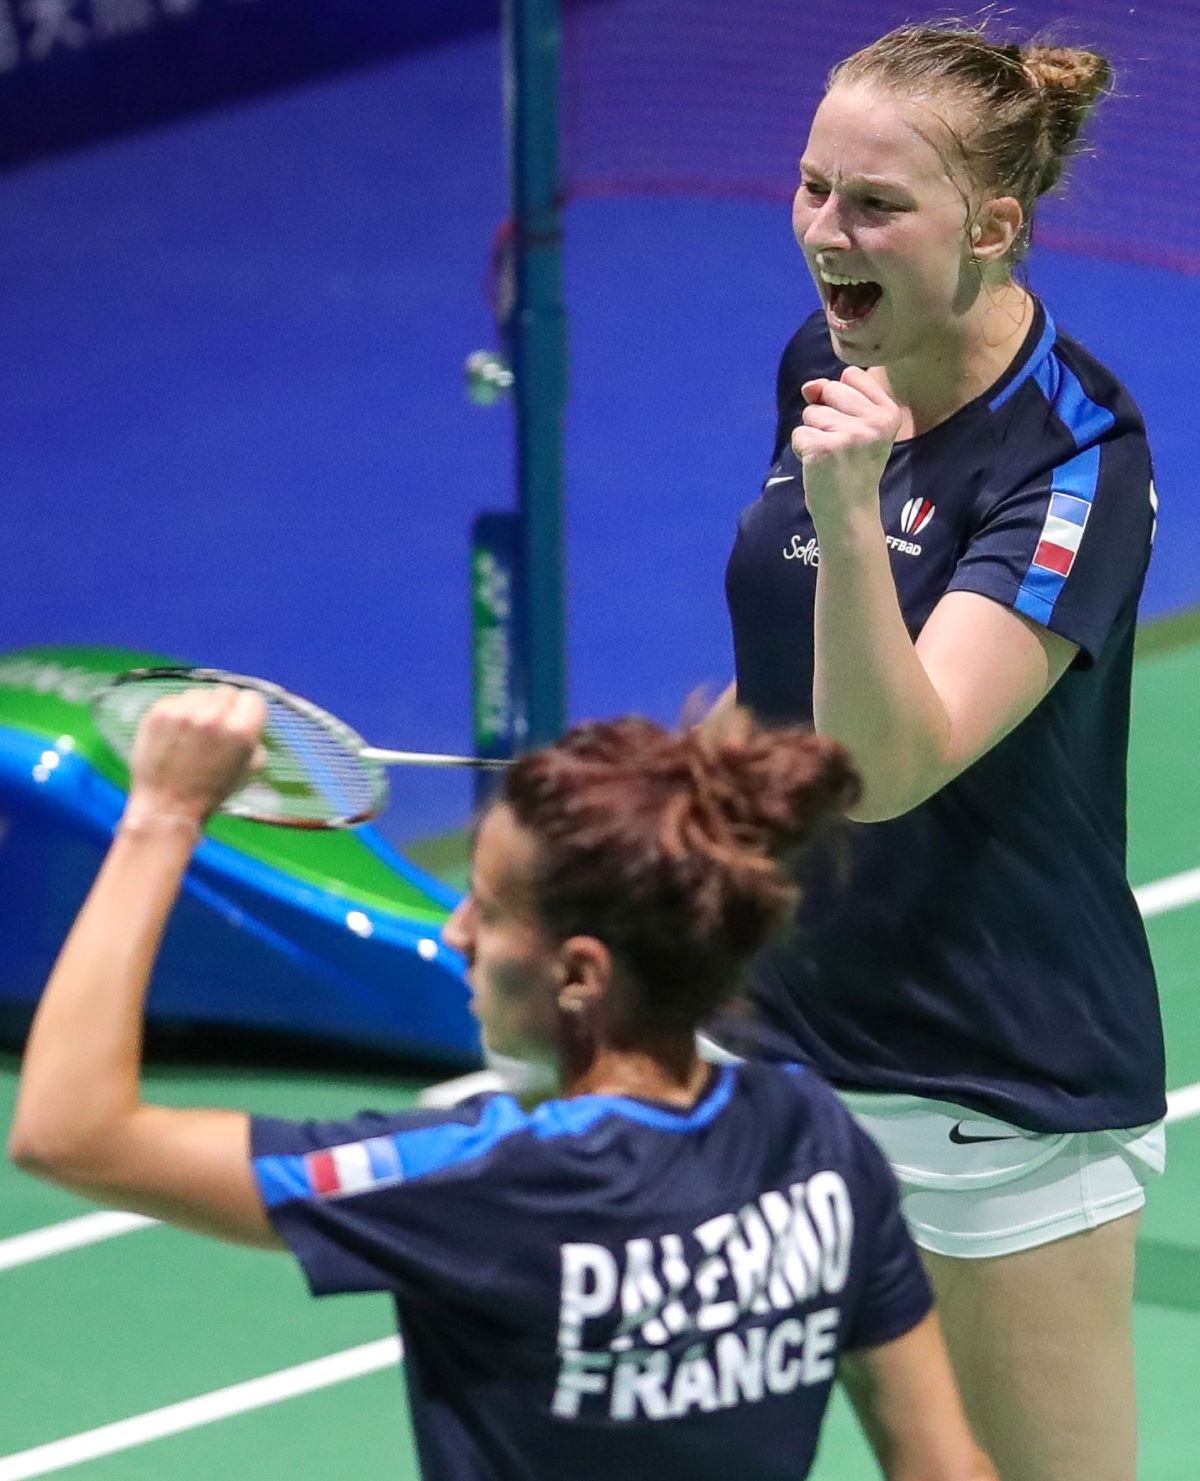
[(667, 845), (774, 787)]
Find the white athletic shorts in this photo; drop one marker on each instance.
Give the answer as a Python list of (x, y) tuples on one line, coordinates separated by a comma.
[(973, 1186)]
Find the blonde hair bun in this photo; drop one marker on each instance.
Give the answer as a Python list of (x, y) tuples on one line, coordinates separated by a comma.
[(1068, 70)]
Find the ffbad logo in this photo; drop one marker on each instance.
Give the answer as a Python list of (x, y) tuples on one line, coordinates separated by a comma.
[(915, 515)]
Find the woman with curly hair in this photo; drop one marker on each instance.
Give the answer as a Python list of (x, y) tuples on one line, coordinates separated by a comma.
[(657, 1271)]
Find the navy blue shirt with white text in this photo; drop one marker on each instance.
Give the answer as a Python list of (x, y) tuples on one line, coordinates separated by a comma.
[(984, 948), (604, 1287)]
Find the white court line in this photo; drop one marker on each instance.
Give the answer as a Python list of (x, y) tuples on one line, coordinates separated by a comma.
[(1184, 1103), (71, 1234), (305, 1378), (1172, 893)]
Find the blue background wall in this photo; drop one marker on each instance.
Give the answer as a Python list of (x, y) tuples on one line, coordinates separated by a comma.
[(234, 428)]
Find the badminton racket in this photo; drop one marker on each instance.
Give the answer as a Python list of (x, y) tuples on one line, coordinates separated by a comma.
[(317, 772)]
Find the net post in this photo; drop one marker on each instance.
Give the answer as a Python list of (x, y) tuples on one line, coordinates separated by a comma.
[(532, 32)]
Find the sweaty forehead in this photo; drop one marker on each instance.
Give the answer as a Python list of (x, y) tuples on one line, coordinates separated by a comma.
[(860, 133)]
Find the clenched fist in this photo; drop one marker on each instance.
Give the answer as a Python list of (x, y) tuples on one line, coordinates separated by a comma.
[(843, 443), (194, 749)]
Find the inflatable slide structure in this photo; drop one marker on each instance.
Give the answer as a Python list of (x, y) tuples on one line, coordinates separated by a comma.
[(322, 936)]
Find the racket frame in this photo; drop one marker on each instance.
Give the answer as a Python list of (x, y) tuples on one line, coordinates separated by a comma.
[(343, 733)]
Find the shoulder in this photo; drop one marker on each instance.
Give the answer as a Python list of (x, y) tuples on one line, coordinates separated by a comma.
[(795, 1103), (1089, 399), (1064, 424), (1066, 399), (320, 1159)]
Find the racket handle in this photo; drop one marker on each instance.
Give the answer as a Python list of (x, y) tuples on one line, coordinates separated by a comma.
[(430, 758)]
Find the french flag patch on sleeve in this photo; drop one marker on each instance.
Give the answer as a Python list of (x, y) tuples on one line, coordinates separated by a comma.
[(1061, 533), (353, 1168)]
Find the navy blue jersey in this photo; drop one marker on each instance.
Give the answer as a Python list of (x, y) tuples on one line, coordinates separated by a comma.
[(606, 1287), (984, 948)]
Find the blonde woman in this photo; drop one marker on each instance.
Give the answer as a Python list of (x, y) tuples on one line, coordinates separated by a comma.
[(942, 572)]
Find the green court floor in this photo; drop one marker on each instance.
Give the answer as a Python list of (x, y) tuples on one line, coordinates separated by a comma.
[(152, 1318)]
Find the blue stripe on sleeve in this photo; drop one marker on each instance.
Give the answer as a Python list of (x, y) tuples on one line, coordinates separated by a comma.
[(1077, 480), (1036, 361), (1074, 483), (281, 1180), (1048, 376), (1039, 593), (431, 1148), (407, 1155), (1086, 421), (1083, 418), (1079, 476)]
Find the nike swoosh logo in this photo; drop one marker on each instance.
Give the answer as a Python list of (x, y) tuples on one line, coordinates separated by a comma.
[(786, 478), (961, 1139)]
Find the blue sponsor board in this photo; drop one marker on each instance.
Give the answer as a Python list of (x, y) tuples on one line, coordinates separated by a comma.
[(76, 70)]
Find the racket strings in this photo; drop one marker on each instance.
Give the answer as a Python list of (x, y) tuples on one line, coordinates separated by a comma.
[(318, 771), (312, 772)]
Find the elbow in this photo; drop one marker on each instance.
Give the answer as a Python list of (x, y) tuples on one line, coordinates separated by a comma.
[(25, 1139), (57, 1137), (880, 803), (891, 785), (892, 791), (49, 1154), (875, 810), (34, 1152), (900, 771), (20, 1153)]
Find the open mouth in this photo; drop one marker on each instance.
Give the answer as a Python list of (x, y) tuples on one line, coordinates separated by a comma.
[(850, 300)]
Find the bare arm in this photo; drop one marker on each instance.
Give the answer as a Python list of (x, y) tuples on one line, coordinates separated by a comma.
[(80, 1120), (723, 707), (912, 715), (908, 1405)]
